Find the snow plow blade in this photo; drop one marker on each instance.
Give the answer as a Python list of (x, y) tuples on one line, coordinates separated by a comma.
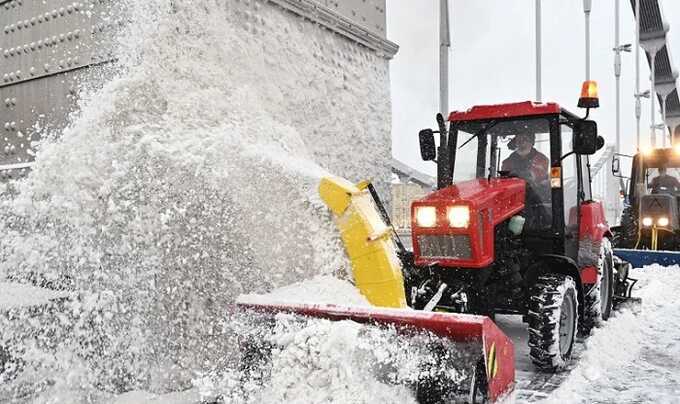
[(477, 349), (640, 258)]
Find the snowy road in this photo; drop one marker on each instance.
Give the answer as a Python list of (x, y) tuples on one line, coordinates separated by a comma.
[(632, 359)]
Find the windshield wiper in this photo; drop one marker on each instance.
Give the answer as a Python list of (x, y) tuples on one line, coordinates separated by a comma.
[(479, 133)]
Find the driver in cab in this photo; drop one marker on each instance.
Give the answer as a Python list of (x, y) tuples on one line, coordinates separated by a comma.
[(531, 165), (664, 182), (525, 161)]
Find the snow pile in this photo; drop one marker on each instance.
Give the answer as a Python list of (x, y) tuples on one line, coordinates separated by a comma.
[(632, 358), (190, 178), (320, 290), (326, 363), (303, 360)]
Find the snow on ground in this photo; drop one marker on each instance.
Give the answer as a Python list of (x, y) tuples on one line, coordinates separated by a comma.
[(633, 358), (319, 290), (630, 359)]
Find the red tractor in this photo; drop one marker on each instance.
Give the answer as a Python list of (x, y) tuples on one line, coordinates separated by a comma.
[(512, 227)]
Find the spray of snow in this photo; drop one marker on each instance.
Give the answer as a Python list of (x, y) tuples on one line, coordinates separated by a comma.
[(303, 360), (186, 180), (17, 295)]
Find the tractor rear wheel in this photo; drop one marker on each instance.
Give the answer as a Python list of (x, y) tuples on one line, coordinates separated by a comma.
[(598, 301), (553, 321)]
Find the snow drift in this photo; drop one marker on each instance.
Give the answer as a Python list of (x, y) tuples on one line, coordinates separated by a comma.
[(190, 178)]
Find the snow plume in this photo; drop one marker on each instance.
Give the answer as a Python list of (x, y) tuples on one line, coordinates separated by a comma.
[(190, 178), (290, 359)]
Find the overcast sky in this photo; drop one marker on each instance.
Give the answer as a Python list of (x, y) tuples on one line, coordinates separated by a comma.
[(493, 61)]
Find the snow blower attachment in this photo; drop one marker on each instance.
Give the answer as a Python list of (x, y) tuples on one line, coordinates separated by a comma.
[(458, 357), (453, 357)]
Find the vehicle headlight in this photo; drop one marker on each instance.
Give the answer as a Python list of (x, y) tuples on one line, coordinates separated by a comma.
[(459, 216), (426, 216), (663, 221), (647, 221)]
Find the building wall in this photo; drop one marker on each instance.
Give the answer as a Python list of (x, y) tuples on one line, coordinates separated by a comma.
[(48, 48), (45, 48), (402, 196)]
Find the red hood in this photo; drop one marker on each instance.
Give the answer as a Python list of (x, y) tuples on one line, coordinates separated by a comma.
[(505, 196), (490, 202)]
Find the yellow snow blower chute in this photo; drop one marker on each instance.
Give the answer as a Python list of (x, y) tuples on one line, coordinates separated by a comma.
[(484, 356), (368, 242)]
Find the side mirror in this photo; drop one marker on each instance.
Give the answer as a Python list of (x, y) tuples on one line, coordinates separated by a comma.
[(586, 140), (617, 165), (428, 150)]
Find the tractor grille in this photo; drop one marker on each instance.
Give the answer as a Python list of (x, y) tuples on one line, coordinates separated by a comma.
[(449, 246)]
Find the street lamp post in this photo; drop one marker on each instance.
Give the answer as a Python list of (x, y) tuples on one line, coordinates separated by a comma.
[(638, 104), (617, 72), (538, 51), (587, 6), (652, 93), (444, 46)]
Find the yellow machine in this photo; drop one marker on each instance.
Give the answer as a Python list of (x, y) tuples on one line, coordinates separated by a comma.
[(368, 241)]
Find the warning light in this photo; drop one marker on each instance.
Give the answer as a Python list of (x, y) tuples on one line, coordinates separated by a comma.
[(555, 177), (589, 97)]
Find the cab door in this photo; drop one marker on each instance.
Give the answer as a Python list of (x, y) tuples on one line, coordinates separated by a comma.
[(571, 180)]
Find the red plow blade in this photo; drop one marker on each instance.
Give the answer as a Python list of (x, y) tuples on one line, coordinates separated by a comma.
[(489, 361)]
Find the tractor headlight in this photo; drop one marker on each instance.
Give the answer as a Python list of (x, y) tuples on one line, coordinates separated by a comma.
[(647, 221), (426, 216), (459, 216), (663, 221)]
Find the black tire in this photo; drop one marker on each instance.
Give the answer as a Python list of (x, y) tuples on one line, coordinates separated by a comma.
[(553, 321), (435, 387), (598, 301), (628, 234)]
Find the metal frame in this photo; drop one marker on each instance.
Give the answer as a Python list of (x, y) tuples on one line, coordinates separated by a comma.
[(652, 37), (343, 25)]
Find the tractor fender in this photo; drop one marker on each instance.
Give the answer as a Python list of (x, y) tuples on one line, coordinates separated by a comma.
[(593, 222), (553, 263)]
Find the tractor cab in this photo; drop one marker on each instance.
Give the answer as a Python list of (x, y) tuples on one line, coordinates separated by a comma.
[(650, 218), (496, 162), (512, 227)]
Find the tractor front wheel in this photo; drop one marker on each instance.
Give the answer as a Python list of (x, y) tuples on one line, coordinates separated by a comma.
[(553, 321)]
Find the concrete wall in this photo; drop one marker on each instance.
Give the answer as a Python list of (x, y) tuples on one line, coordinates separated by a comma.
[(403, 194), (48, 47)]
